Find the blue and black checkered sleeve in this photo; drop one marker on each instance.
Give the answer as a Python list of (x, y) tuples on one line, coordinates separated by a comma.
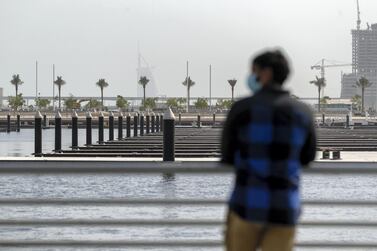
[(308, 151), (229, 138)]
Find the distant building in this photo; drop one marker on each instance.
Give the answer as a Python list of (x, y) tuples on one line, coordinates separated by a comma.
[(337, 106), (348, 86), (364, 64)]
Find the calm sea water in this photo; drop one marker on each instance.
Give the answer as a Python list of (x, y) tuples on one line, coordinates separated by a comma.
[(20, 144), (157, 186)]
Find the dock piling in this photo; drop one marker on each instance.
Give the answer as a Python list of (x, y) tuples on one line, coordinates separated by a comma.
[(88, 128), (147, 123), (58, 132), (128, 125), (100, 128), (161, 122), (153, 118), (214, 118), (141, 124), (157, 122), (198, 121), (45, 121), (168, 136), (74, 130), (38, 135), (180, 118), (136, 116), (120, 126), (8, 123), (18, 125), (111, 126)]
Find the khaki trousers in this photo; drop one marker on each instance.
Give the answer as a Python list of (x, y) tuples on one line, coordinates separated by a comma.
[(242, 235)]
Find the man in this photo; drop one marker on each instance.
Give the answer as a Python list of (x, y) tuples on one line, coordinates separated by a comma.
[(267, 137)]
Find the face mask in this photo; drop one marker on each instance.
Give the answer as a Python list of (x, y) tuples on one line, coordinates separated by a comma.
[(253, 83)]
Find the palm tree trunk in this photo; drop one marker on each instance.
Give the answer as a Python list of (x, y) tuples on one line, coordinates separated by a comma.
[(362, 99), (319, 99), (188, 98), (102, 98), (144, 97), (232, 93), (16, 90), (59, 97)]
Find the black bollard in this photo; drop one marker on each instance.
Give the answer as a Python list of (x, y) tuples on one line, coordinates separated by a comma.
[(128, 122), (38, 134), (18, 122), (198, 121), (157, 122), (214, 118), (45, 121), (153, 118), (75, 134), (336, 155), (168, 136), (147, 123), (58, 132), (111, 126), (141, 125), (179, 118), (161, 122), (323, 119), (100, 128), (120, 126), (135, 124), (88, 129), (8, 123), (325, 154), (347, 121)]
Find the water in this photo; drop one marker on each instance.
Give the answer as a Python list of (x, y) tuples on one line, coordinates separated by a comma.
[(20, 144), (157, 186)]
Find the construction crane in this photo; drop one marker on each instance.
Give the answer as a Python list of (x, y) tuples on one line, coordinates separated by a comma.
[(358, 16), (324, 63)]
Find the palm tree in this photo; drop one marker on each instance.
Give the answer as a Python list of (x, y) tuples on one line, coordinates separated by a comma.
[(59, 82), (16, 81), (101, 83), (143, 81), (325, 99), (363, 83), (188, 83), (232, 83), (320, 84), (356, 102)]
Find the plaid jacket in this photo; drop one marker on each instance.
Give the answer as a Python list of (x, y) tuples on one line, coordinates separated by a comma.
[(268, 138)]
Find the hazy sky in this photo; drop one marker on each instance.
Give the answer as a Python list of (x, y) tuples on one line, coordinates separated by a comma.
[(92, 39)]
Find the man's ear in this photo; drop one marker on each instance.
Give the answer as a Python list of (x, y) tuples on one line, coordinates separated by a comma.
[(269, 75)]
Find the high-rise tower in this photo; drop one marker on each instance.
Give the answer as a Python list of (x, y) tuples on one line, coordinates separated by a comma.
[(144, 70), (364, 63)]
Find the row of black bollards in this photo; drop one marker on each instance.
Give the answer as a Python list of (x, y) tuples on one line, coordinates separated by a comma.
[(139, 123), (9, 122)]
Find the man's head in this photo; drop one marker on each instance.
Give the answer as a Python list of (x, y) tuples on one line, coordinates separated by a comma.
[(270, 67)]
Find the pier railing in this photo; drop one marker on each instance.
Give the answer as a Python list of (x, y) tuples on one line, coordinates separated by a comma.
[(85, 167)]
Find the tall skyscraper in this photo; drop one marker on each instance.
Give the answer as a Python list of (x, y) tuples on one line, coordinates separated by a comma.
[(364, 64), (144, 70)]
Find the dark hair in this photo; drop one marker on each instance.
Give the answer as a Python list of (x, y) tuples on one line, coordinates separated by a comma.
[(276, 61)]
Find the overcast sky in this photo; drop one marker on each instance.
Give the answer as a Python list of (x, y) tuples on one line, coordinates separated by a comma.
[(92, 39)]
